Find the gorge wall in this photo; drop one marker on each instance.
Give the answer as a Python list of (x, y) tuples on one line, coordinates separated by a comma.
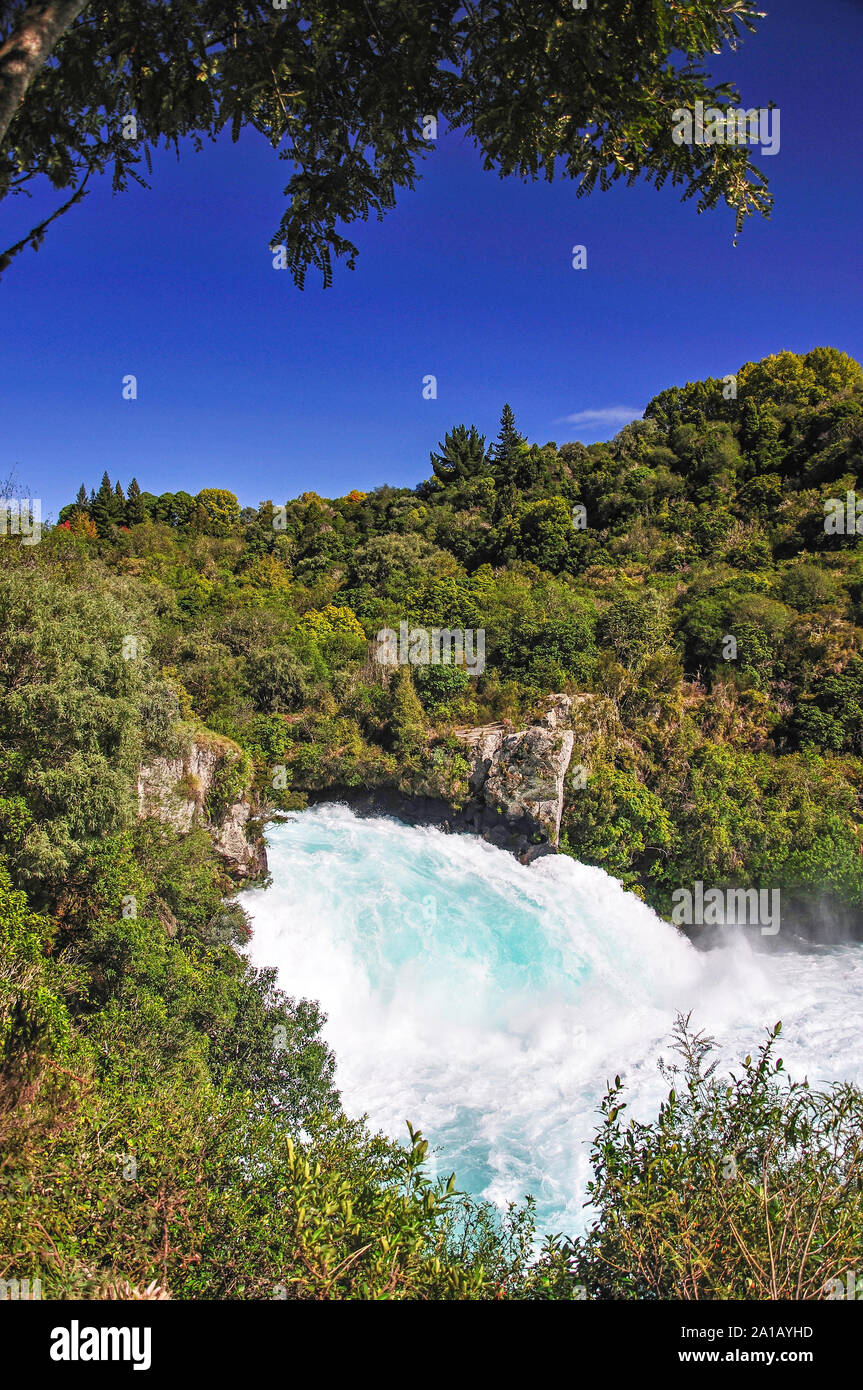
[(207, 784), (516, 784)]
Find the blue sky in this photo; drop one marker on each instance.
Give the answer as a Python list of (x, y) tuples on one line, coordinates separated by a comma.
[(246, 382)]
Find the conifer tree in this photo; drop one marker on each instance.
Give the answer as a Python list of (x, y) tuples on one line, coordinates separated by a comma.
[(136, 512), (509, 441), (102, 510), (81, 499), (407, 720), (118, 505), (462, 455), (507, 454)]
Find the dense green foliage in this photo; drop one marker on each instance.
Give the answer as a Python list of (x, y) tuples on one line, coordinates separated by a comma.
[(152, 1079), (737, 761), (350, 96), (746, 1186)]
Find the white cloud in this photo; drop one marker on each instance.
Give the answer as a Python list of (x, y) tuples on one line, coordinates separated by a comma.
[(609, 415)]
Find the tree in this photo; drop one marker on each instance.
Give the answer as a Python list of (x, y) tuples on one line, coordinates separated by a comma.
[(185, 508), (760, 435), (617, 823), (508, 457), (832, 716), (136, 512), (118, 506), (102, 507), (532, 468), (691, 404), (149, 501), (81, 499), (542, 532), (82, 526), (462, 455), (795, 379), (507, 450), (509, 441), (164, 509), (545, 653), (277, 679), (440, 686), (633, 625), (220, 511), (340, 91), (74, 744), (407, 720)]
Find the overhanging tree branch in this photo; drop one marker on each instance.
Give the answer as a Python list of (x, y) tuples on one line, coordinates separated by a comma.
[(34, 237), (337, 89), (26, 49)]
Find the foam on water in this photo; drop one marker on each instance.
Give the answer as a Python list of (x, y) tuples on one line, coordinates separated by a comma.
[(488, 1002)]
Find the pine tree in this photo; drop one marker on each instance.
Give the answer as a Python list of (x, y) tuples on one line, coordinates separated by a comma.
[(508, 449), (81, 499), (118, 505), (462, 455), (102, 510), (136, 512)]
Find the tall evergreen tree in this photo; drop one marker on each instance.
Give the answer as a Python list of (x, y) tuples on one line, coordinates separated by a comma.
[(81, 499), (118, 505), (102, 510), (136, 512), (509, 442), (462, 455), (507, 455)]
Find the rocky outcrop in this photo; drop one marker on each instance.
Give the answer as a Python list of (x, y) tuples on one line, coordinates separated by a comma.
[(520, 775), (516, 782), (246, 856), (205, 786)]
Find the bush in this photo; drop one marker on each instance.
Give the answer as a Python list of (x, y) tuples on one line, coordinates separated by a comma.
[(439, 686), (748, 1186)]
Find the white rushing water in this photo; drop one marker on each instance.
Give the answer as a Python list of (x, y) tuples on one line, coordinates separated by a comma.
[(488, 1002)]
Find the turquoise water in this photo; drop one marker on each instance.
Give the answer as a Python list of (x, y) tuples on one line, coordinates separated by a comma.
[(488, 1002)]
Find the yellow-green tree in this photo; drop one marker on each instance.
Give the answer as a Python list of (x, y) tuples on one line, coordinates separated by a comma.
[(218, 511)]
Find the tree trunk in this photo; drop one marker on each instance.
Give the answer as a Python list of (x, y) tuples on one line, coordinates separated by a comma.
[(22, 55)]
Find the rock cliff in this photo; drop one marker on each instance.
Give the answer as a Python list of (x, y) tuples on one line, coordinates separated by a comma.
[(206, 785), (520, 775), (516, 783)]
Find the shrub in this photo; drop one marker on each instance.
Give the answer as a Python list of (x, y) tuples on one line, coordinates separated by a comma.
[(746, 1186), (439, 686)]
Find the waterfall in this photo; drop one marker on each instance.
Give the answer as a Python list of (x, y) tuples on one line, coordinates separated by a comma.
[(489, 1002)]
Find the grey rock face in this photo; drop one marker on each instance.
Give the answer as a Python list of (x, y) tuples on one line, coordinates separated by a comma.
[(175, 791), (516, 784), (520, 775), (248, 858)]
